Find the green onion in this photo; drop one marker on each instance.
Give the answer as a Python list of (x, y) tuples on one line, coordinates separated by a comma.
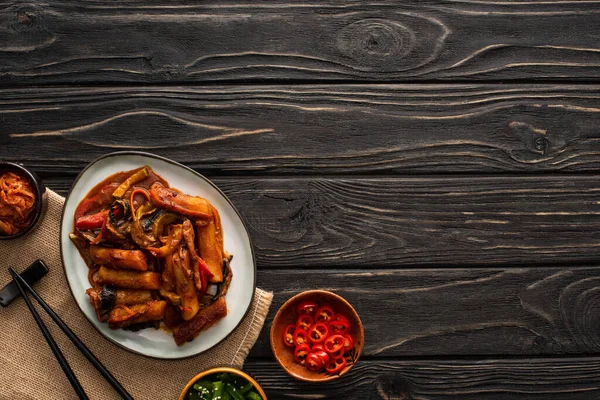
[(253, 396)]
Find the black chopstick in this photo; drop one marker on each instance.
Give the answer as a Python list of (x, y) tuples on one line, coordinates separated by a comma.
[(76, 341), (49, 339)]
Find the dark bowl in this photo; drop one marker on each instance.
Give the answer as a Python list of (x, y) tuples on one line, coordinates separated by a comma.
[(40, 195)]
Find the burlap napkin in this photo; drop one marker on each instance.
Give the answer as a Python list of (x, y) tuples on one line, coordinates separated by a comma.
[(28, 370)]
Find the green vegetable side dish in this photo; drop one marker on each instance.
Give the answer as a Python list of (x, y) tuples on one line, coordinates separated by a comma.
[(224, 386)]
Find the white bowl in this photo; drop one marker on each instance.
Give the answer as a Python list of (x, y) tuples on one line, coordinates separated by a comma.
[(152, 342)]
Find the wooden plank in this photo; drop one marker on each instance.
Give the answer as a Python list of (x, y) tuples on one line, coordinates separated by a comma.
[(439, 221), (455, 312), (313, 129), (528, 379), (70, 41)]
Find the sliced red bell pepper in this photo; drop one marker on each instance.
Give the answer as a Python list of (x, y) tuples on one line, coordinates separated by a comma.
[(102, 198), (93, 221)]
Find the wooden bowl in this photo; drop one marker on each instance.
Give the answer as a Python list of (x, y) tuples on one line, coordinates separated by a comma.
[(287, 315), (220, 370)]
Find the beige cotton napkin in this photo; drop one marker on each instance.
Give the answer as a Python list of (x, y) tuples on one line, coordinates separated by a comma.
[(28, 370)]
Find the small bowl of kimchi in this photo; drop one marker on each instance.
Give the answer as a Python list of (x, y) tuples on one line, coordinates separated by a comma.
[(22, 200)]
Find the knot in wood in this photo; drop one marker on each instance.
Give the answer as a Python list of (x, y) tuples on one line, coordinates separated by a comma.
[(580, 310), (391, 387), (373, 42)]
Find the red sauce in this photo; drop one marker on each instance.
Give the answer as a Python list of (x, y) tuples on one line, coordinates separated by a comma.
[(17, 201)]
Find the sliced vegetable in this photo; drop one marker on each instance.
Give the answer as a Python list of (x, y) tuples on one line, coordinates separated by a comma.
[(334, 343), (348, 342), (300, 337), (317, 347), (288, 335), (253, 396), (131, 180), (304, 322), (101, 199), (323, 356), (306, 307), (318, 333), (301, 352), (174, 238), (324, 314), (339, 326), (314, 362), (335, 365), (93, 221)]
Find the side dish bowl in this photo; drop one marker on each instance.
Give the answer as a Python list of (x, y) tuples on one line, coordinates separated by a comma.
[(40, 192), (287, 315), (220, 370)]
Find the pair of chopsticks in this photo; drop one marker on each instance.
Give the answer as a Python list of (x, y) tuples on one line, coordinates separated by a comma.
[(24, 288)]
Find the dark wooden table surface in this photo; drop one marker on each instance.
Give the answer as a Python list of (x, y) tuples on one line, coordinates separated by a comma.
[(435, 162)]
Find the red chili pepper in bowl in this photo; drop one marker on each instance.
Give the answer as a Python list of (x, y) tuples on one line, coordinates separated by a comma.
[(323, 356), (300, 337), (301, 352), (318, 333), (334, 343), (314, 362), (306, 307), (304, 322), (348, 342), (340, 326), (324, 314), (288, 335), (335, 365)]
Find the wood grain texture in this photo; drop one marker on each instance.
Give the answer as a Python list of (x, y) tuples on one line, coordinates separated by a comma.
[(450, 312), (376, 222), (158, 41), (313, 129), (528, 379)]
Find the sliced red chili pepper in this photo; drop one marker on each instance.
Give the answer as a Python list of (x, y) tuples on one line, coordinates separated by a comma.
[(300, 337), (304, 321), (340, 326), (323, 356), (340, 317), (335, 365), (306, 307), (317, 347), (318, 333), (348, 342), (334, 343), (314, 362), (324, 314), (93, 221), (337, 354), (301, 352), (288, 335)]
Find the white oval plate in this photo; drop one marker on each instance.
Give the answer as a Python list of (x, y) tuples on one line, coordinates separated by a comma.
[(152, 342)]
